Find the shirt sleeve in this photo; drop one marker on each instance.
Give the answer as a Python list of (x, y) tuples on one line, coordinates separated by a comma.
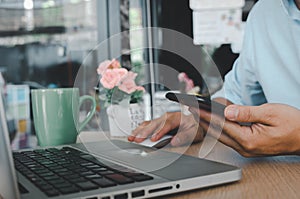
[(241, 85)]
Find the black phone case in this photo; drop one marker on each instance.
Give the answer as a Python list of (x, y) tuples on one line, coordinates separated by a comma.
[(202, 103), (197, 101)]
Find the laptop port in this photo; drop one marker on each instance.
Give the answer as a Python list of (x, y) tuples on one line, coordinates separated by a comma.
[(136, 194), (121, 196), (160, 189)]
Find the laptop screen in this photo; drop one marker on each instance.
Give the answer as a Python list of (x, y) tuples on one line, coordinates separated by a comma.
[(8, 182)]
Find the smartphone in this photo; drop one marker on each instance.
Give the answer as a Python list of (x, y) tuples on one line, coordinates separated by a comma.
[(200, 102)]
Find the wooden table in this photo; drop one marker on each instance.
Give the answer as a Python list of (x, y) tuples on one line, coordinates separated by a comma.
[(264, 177)]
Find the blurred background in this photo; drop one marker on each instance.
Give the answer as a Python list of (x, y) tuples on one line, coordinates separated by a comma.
[(55, 43)]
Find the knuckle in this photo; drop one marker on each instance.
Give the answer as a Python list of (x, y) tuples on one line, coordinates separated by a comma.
[(142, 135), (135, 131), (248, 116), (217, 124), (144, 123), (244, 153), (268, 110), (249, 146)]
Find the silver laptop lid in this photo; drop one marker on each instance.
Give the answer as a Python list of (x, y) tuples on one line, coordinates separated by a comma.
[(8, 182)]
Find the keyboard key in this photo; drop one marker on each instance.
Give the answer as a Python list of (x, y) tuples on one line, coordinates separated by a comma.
[(140, 178), (43, 172), (50, 178), (107, 172), (51, 192), (71, 176), (81, 170), (120, 179), (62, 185), (93, 176), (87, 173), (93, 166), (77, 180), (103, 182), (58, 181), (69, 190), (85, 186), (85, 164), (61, 170), (46, 174), (99, 169), (45, 187)]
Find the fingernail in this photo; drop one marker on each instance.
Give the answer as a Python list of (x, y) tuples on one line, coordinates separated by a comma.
[(139, 136), (231, 113), (154, 137)]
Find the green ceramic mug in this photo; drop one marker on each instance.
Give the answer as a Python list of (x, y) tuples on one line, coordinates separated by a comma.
[(56, 115)]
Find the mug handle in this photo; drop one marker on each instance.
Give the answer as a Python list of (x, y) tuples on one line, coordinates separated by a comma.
[(90, 113)]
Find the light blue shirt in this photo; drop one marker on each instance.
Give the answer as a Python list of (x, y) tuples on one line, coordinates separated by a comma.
[(268, 68)]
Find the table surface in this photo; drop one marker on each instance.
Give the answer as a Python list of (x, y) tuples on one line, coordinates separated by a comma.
[(263, 177), (266, 177)]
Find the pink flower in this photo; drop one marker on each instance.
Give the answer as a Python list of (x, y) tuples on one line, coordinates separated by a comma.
[(182, 77), (189, 84), (107, 64), (140, 88), (115, 64), (128, 84), (112, 77)]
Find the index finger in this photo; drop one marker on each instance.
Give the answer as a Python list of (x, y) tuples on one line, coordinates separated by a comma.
[(147, 128), (143, 131), (229, 128)]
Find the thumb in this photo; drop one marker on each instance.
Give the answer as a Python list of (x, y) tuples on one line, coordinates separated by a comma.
[(239, 113)]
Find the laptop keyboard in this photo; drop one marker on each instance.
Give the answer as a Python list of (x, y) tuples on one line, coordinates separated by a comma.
[(65, 171)]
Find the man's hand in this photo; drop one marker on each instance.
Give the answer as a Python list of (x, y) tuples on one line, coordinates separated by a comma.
[(188, 131), (275, 128)]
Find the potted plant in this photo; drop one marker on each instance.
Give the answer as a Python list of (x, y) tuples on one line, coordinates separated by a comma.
[(121, 96)]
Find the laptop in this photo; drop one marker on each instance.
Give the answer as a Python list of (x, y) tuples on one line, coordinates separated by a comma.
[(109, 169)]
